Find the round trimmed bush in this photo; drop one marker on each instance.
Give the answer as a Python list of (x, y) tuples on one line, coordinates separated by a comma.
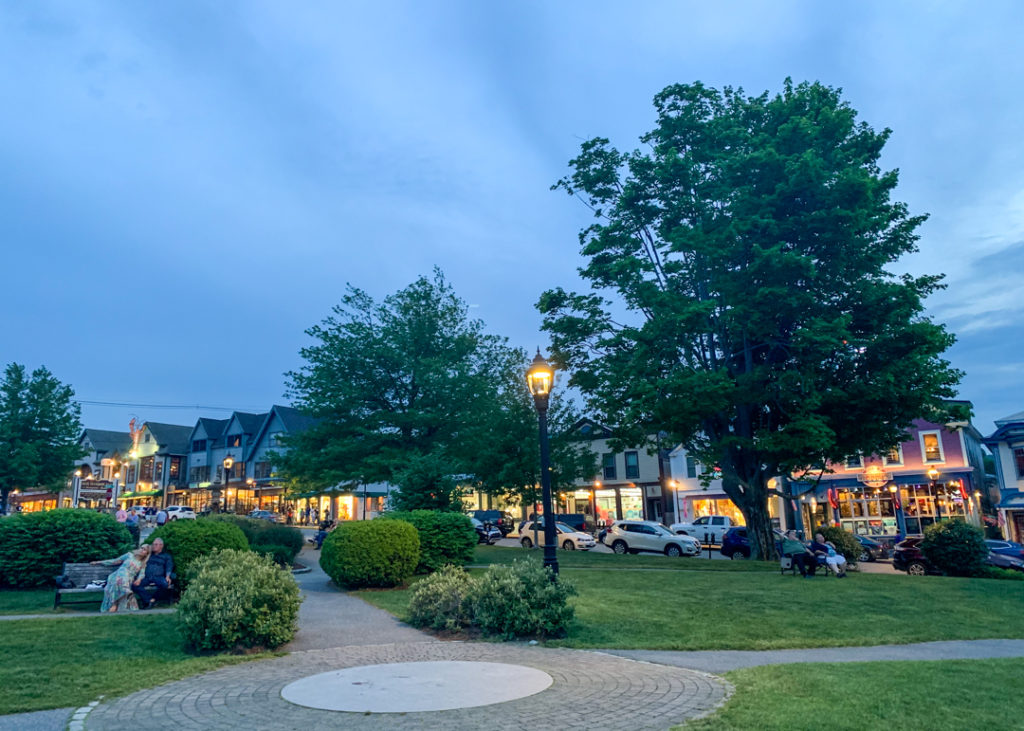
[(521, 600), (188, 540), (238, 600), (440, 601), (34, 546), (371, 553), (445, 537), (955, 548)]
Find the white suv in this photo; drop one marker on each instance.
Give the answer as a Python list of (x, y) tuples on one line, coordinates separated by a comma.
[(632, 536), (180, 512), (567, 537)]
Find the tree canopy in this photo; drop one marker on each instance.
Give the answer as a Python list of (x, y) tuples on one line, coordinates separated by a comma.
[(39, 430), (743, 300)]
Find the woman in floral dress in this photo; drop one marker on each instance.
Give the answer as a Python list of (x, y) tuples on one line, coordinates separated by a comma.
[(118, 592)]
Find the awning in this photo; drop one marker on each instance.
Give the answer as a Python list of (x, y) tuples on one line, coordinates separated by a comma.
[(140, 494)]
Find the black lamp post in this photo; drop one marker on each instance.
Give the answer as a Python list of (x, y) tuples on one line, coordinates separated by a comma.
[(934, 475), (229, 462), (540, 377)]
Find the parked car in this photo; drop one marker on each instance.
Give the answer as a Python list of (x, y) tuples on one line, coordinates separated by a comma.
[(1002, 561), (909, 557), (267, 515), (633, 536), (486, 533), (710, 528), (870, 550), (1006, 548), (567, 537), (180, 512), (736, 545), (500, 519)]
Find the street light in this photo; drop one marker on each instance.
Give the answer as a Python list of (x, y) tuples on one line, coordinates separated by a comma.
[(540, 378), (228, 463), (933, 475)]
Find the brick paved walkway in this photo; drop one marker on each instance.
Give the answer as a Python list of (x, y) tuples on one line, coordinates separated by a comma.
[(590, 691)]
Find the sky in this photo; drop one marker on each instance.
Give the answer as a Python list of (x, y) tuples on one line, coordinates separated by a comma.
[(186, 187)]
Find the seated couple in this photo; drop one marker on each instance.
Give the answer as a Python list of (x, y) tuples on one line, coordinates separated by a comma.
[(806, 558), (128, 587)]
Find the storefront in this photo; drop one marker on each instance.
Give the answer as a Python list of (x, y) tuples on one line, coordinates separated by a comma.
[(32, 502), (147, 498), (699, 503)]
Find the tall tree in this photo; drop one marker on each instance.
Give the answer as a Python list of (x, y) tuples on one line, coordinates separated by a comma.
[(39, 429), (742, 300), (391, 381)]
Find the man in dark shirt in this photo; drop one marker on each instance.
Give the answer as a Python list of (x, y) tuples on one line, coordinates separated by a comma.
[(159, 570), (797, 552)]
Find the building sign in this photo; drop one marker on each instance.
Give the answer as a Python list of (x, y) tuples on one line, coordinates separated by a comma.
[(94, 490)]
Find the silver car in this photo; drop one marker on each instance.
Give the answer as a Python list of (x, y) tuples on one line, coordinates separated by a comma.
[(633, 536), (567, 537)]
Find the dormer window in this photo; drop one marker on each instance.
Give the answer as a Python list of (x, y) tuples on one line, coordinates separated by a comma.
[(235, 440)]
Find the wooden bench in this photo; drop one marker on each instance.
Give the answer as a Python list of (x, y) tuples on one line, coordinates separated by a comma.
[(80, 575), (786, 564)]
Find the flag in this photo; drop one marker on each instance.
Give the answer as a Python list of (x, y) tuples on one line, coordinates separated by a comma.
[(896, 499), (833, 497)]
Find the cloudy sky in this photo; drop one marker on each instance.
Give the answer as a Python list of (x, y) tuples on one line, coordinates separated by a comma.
[(185, 187)]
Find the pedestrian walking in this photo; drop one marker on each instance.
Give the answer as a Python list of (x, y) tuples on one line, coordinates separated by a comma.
[(161, 517)]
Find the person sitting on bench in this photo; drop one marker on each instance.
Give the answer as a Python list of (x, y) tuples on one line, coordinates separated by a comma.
[(797, 552), (835, 560), (159, 570)]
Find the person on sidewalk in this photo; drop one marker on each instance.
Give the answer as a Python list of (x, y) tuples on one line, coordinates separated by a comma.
[(121, 515), (833, 558), (161, 517), (798, 553), (159, 572)]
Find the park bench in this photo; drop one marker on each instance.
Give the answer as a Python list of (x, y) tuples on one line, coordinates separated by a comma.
[(79, 575), (786, 564)]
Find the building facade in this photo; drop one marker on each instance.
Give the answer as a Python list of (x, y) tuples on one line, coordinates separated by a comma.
[(1007, 447)]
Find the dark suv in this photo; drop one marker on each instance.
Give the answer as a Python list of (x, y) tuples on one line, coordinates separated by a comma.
[(500, 519), (736, 545)]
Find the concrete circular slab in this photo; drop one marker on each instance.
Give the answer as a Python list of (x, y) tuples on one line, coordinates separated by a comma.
[(408, 687)]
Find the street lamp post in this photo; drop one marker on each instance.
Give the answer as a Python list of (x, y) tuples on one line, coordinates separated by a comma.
[(540, 378), (229, 462), (933, 475)]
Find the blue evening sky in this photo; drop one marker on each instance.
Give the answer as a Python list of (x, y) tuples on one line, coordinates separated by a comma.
[(185, 187)]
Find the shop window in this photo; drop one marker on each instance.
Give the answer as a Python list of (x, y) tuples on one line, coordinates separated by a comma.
[(691, 468), (632, 465), (894, 457), (609, 466), (931, 447), (1018, 459)]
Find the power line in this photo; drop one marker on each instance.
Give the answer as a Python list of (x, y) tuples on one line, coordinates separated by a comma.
[(124, 404)]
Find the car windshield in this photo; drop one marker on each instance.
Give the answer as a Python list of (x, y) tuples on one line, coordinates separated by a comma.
[(563, 528), (662, 531), (477, 523)]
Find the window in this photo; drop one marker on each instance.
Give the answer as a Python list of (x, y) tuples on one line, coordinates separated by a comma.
[(147, 438), (175, 470), (199, 474), (1018, 459), (146, 469), (234, 440), (691, 467), (158, 471), (632, 465), (609, 466), (894, 457), (703, 520), (198, 445), (854, 463), (263, 470), (931, 447), (718, 521)]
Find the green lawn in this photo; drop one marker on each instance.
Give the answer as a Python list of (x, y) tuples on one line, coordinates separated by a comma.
[(55, 663), (33, 601), (677, 610), (939, 696), (585, 559)]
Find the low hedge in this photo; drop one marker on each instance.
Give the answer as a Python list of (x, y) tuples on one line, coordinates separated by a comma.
[(445, 537), (371, 553), (189, 540), (34, 546), (263, 533), (238, 600)]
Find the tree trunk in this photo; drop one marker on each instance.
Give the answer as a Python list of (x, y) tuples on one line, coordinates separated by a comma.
[(759, 529)]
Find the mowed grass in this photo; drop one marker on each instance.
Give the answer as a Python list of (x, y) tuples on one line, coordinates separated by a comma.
[(938, 696), (34, 601), (678, 610), (586, 560), (57, 663)]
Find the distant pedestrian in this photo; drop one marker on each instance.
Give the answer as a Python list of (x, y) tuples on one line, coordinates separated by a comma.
[(290, 516), (121, 515), (161, 517)]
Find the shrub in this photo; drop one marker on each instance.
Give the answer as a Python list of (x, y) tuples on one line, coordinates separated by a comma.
[(237, 600), (440, 601), (189, 540), (955, 548), (371, 553), (844, 541), (445, 538), (248, 526), (281, 555), (521, 600), (994, 572), (265, 533), (34, 546)]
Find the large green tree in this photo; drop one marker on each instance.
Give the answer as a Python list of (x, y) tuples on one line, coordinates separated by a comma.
[(743, 297), (39, 430)]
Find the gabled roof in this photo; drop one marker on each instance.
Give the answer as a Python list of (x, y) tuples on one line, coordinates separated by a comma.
[(250, 423), (1019, 416), (106, 441), (294, 422), (590, 429), (171, 438), (213, 427)]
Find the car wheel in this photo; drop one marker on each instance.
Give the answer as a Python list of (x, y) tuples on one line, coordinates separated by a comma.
[(673, 550), (569, 546), (739, 556), (174, 517), (864, 557), (620, 547), (917, 568), (527, 543)]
